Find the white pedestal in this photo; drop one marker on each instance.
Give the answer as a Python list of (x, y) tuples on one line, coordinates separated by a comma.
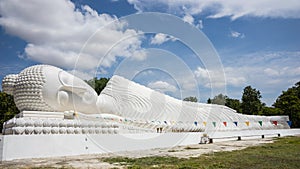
[(38, 146), (42, 114)]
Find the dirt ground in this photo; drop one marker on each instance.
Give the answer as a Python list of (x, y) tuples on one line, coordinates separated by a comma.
[(95, 161)]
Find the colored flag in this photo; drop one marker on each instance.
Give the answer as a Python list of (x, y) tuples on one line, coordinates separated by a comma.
[(204, 123), (225, 123), (195, 123), (235, 122), (260, 123), (289, 123), (275, 122), (214, 123), (247, 123)]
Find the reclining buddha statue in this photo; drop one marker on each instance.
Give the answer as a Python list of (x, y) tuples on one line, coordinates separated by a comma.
[(45, 88)]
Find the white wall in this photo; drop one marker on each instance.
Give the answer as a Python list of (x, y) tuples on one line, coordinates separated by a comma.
[(37, 146)]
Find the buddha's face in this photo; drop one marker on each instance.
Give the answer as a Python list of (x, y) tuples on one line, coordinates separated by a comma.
[(64, 91)]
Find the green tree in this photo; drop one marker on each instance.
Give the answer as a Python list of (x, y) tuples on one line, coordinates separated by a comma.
[(219, 99), (208, 101), (225, 100), (289, 103), (98, 84), (8, 108), (251, 103), (191, 99), (234, 104), (271, 111)]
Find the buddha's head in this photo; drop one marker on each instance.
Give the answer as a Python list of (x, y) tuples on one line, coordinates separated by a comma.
[(48, 88)]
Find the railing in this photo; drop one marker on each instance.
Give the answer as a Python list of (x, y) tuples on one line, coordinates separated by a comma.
[(210, 140)]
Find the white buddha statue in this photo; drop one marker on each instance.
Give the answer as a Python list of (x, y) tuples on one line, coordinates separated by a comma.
[(48, 88), (45, 88)]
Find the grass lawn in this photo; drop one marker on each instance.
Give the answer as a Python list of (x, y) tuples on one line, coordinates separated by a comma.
[(283, 153)]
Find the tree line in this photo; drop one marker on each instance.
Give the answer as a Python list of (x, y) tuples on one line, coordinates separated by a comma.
[(8, 108)]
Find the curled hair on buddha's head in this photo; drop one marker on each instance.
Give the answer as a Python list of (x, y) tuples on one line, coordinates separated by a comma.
[(8, 83)]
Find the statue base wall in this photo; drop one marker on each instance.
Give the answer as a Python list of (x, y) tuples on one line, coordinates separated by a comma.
[(41, 114), (41, 146), (39, 123)]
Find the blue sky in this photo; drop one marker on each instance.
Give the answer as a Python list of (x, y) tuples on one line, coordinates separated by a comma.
[(257, 43)]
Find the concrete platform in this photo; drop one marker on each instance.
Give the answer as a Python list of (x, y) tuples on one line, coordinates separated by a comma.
[(40, 146)]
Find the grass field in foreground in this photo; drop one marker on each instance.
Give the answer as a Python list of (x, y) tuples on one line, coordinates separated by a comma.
[(283, 153)]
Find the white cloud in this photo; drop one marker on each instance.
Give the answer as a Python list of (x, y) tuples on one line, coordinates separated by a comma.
[(234, 76), (162, 86), (200, 24), (191, 20), (236, 34), (215, 78), (188, 18), (203, 76), (57, 32), (295, 71), (271, 72), (210, 78), (161, 38), (82, 75), (282, 71), (147, 73), (220, 8)]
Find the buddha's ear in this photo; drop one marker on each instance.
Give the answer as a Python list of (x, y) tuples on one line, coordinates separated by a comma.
[(63, 98), (66, 78), (8, 83)]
